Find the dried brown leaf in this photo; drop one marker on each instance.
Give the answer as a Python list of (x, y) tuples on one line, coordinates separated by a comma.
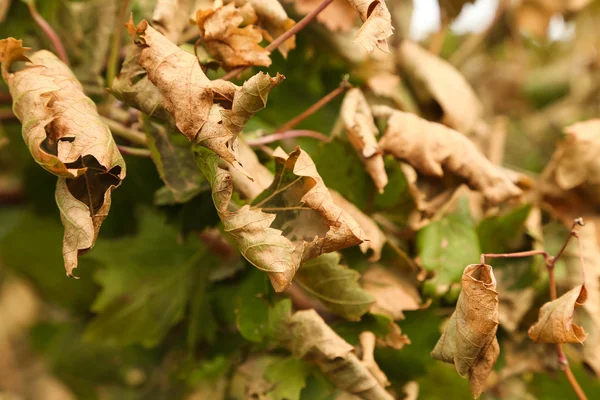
[(437, 81), (375, 237), (361, 131), (377, 24), (338, 16), (435, 150), (555, 322), (309, 337), (261, 174), (294, 220), (170, 17), (469, 341), (393, 293), (224, 40), (66, 136)]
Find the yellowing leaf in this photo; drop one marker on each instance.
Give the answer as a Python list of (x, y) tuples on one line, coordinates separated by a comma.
[(437, 82), (377, 24), (555, 322), (196, 102), (335, 285), (361, 131), (66, 136), (294, 220), (224, 40), (309, 337), (470, 339), (435, 150)]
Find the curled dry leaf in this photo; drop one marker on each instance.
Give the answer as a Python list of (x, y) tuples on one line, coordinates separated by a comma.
[(335, 285), (434, 150), (575, 167), (375, 237), (338, 16), (555, 322), (195, 101), (224, 40), (377, 24), (436, 81), (170, 17), (361, 131), (309, 337), (470, 339), (393, 293), (261, 174), (294, 220), (273, 19), (66, 136)]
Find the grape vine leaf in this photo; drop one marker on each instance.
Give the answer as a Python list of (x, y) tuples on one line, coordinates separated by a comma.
[(377, 24)]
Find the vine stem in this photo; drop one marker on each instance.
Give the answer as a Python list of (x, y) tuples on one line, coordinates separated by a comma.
[(48, 31), (550, 266), (286, 135), (285, 36), (344, 85), (134, 151), (115, 49), (126, 133)]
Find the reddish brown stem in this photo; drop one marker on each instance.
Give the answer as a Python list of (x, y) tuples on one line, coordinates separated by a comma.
[(285, 36), (515, 255), (49, 32), (344, 85), (286, 135)]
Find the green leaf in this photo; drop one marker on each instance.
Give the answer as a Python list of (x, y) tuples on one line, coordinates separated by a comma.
[(448, 245), (335, 285), (503, 233), (288, 377), (145, 283)]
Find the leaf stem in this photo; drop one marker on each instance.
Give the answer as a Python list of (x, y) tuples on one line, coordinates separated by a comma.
[(115, 50), (285, 36), (286, 135), (134, 151), (344, 85), (126, 133), (49, 32)]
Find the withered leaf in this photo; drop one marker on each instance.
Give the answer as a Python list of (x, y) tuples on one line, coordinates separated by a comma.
[(338, 16), (469, 341), (273, 19), (66, 136), (375, 237), (309, 337), (291, 222), (377, 24), (195, 102), (170, 17), (393, 294), (555, 322), (437, 81), (226, 41), (335, 285), (262, 177), (434, 149), (361, 131)]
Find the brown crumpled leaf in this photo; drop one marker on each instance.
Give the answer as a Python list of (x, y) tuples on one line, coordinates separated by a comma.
[(555, 322), (435, 150), (293, 221), (309, 337), (224, 40), (195, 101), (470, 339), (262, 176), (273, 19), (437, 82), (338, 16), (393, 294), (170, 17), (376, 238), (361, 131), (377, 24), (66, 136), (572, 177)]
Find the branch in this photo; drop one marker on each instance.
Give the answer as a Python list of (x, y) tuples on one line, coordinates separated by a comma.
[(48, 31), (134, 151), (344, 85), (115, 50), (121, 130), (285, 36), (286, 135)]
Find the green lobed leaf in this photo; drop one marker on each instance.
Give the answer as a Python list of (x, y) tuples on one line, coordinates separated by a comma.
[(288, 377), (503, 233)]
